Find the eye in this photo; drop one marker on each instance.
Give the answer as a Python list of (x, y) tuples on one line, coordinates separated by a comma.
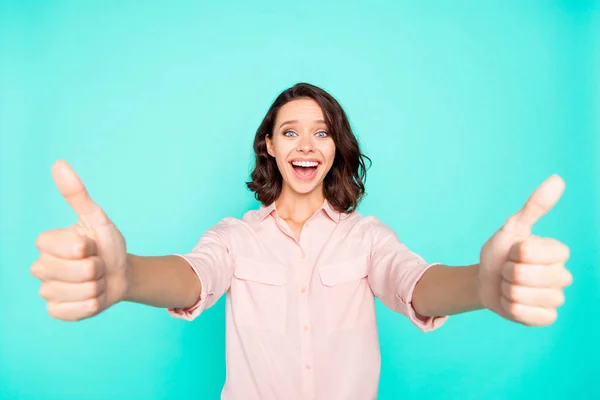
[(322, 134), (291, 134)]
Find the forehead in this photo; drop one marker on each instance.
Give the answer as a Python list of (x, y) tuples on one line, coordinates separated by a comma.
[(303, 110)]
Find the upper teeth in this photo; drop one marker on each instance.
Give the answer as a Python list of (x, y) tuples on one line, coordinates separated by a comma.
[(305, 163)]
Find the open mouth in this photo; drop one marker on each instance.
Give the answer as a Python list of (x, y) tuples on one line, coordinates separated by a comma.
[(305, 169)]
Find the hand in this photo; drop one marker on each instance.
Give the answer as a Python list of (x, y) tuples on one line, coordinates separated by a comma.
[(82, 268), (522, 276)]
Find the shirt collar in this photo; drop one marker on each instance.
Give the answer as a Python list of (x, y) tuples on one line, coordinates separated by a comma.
[(332, 212), (265, 211), (335, 215)]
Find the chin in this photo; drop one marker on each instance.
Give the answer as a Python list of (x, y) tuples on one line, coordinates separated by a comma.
[(304, 188), (304, 191)]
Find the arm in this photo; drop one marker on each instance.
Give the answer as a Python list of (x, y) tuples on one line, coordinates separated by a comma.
[(85, 268), (163, 281), (520, 277), (185, 284), (445, 290)]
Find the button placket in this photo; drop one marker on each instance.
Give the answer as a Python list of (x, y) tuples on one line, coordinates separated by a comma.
[(306, 345)]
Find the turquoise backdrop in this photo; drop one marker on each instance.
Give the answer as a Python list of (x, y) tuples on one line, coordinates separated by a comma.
[(465, 108)]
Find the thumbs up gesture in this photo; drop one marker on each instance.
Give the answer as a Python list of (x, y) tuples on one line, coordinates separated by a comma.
[(522, 276), (82, 268)]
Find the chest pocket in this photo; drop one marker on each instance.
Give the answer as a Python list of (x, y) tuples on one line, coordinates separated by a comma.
[(349, 301), (258, 295)]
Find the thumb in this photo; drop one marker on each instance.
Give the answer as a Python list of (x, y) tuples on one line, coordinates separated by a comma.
[(539, 203), (74, 192)]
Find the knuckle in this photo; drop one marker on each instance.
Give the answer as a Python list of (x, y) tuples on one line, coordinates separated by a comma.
[(508, 290), (38, 240), (53, 310), (517, 273), (567, 251), (89, 268), (93, 306), (79, 247), (559, 299), (94, 289), (41, 239), (552, 316), (523, 250), (568, 279), (36, 268), (44, 291)]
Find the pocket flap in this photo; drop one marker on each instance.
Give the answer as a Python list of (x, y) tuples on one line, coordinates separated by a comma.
[(269, 273), (343, 272)]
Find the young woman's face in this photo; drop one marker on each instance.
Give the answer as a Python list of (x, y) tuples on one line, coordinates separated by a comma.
[(302, 147)]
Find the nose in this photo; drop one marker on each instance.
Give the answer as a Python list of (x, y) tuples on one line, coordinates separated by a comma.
[(305, 145)]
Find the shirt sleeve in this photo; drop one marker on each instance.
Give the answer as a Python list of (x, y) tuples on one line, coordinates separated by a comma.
[(212, 262), (394, 273)]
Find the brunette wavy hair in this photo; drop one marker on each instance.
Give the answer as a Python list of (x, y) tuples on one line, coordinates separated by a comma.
[(344, 184)]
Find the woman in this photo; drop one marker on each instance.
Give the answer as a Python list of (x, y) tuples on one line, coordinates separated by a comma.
[(301, 272)]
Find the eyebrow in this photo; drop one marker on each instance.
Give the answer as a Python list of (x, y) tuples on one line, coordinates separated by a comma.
[(295, 120)]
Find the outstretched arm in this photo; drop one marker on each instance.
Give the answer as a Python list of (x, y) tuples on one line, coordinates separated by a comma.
[(445, 290), (520, 276)]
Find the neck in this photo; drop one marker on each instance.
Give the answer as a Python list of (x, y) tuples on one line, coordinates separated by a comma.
[(298, 207)]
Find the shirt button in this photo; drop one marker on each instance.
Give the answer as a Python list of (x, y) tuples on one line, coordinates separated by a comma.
[(308, 367), (303, 290), (305, 328)]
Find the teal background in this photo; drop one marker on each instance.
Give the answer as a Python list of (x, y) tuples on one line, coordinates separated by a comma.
[(464, 107)]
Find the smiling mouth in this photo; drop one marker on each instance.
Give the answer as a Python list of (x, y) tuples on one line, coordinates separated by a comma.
[(305, 170)]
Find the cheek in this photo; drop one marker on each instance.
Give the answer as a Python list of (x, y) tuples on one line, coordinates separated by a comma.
[(281, 163), (276, 151), (280, 158), (329, 156), (329, 153)]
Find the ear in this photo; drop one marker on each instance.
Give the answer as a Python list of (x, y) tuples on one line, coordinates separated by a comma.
[(270, 149)]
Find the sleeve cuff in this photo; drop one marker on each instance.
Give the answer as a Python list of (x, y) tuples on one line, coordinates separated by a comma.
[(190, 313), (424, 323)]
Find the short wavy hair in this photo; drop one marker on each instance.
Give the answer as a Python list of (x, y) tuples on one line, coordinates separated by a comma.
[(344, 184)]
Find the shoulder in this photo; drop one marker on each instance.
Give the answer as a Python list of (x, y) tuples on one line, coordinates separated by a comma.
[(254, 215), (220, 232), (231, 224), (366, 221), (225, 225), (232, 227), (370, 225)]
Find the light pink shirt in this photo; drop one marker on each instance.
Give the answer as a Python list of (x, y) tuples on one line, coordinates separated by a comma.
[(300, 314)]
